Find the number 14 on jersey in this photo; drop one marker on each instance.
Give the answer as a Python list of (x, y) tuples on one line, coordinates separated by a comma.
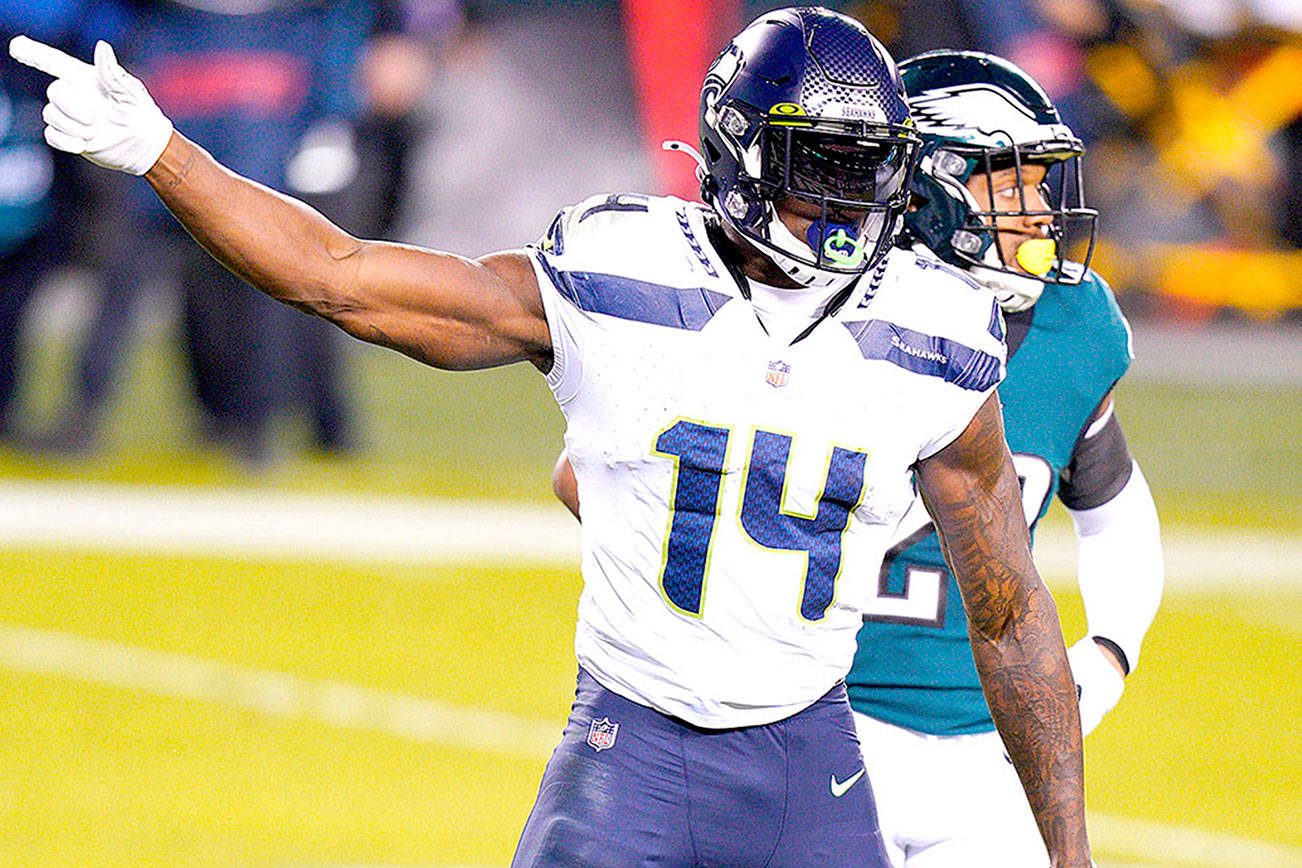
[(700, 454)]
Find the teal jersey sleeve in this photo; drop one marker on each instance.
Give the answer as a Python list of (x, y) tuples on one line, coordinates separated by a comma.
[(1067, 352)]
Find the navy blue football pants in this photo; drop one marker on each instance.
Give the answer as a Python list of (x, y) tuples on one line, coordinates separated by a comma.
[(630, 787)]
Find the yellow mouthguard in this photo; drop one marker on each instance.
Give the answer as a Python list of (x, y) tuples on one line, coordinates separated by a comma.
[(1037, 255)]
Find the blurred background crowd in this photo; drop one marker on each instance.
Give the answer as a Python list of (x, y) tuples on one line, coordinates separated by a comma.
[(465, 124)]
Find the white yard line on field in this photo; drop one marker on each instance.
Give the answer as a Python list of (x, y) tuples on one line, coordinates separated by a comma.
[(234, 523), (58, 654), (1170, 845)]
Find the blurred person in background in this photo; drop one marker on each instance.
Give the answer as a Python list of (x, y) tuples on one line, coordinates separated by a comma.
[(267, 85), (409, 42), (353, 166), (36, 194), (911, 27)]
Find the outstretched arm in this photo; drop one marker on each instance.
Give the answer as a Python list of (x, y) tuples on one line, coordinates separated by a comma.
[(442, 309), (972, 493)]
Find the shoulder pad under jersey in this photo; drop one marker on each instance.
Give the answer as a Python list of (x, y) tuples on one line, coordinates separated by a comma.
[(1092, 309), (651, 238), (922, 293)]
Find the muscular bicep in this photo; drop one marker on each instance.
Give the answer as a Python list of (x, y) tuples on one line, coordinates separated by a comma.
[(443, 309), (971, 491)]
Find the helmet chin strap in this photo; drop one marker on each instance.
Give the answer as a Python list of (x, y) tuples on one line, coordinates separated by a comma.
[(1014, 292), (780, 238)]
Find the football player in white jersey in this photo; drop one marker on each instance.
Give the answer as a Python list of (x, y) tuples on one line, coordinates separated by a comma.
[(752, 391)]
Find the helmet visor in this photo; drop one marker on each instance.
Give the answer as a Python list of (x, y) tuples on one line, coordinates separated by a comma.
[(844, 169)]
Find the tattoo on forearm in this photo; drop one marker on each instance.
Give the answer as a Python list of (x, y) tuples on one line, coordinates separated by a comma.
[(182, 173), (1016, 638)]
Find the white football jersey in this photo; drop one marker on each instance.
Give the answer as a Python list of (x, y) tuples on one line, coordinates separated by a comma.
[(737, 491)]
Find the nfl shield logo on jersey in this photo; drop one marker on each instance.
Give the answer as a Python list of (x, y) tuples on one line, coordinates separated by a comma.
[(601, 734), (777, 375)]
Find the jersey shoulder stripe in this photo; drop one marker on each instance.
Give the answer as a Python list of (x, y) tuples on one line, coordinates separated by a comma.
[(997, 328), (637, 300), (926, 354), (933, 302)]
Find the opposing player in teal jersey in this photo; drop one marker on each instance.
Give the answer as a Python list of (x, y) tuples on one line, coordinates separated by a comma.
[(998, 185)]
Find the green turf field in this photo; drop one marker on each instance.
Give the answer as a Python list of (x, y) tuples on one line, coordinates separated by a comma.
[(108, 768), (202, 711), (422, 431), (1213, 455)]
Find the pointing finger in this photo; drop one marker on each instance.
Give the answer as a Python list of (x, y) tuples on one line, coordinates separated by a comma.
[(105, 59), (110, 73), (47, 58)]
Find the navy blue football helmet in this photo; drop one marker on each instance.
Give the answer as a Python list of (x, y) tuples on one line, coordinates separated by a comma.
[(979, 114), (805, 104)]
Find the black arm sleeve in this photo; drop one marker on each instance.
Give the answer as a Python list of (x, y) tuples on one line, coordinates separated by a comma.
[(1100, 467)]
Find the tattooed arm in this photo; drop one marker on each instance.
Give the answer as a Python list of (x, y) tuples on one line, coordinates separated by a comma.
[(972, 493)]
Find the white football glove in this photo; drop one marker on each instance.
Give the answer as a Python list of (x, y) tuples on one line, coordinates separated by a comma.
[(100, 111), (1099, 683)]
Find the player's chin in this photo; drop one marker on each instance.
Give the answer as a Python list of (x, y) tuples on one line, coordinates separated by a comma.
[(1009, 258)]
